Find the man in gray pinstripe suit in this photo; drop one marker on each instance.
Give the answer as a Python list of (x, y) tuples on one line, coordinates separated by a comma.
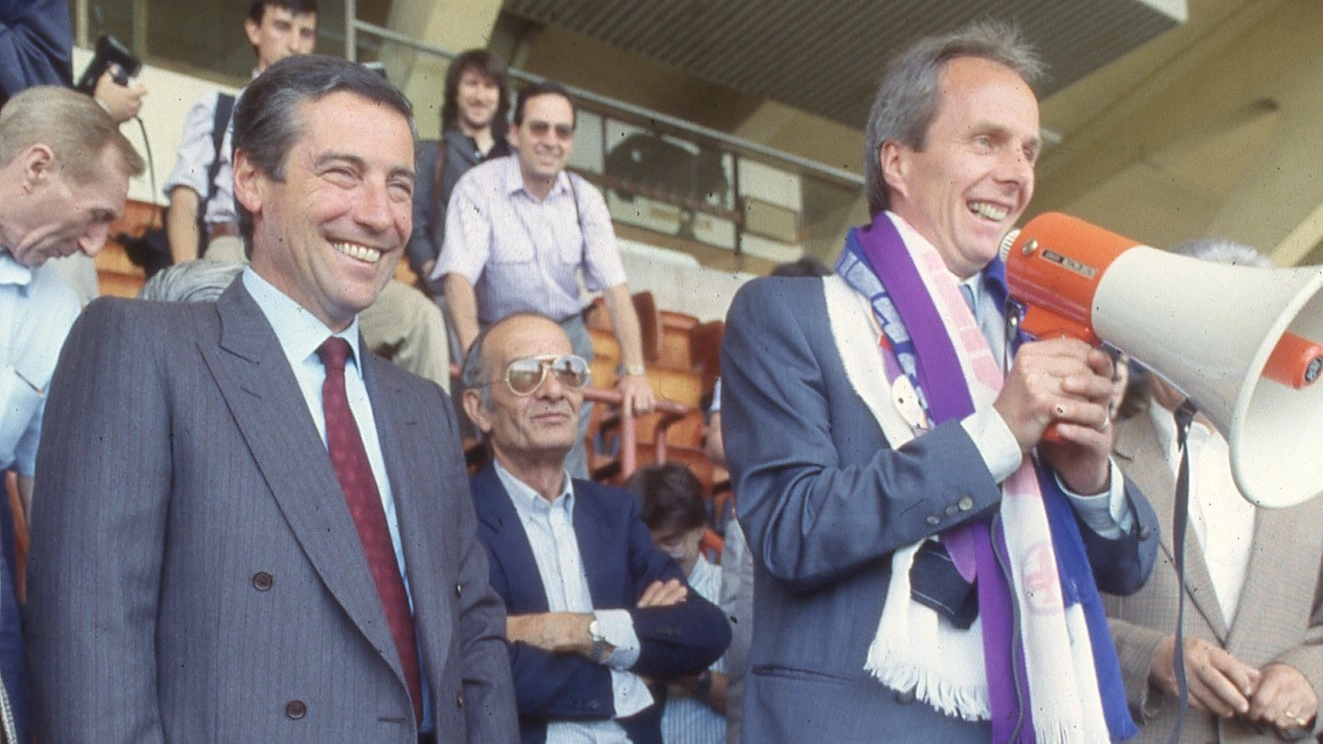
[(196, 572)]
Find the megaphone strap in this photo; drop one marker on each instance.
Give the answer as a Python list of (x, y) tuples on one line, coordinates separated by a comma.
[(1184, 415)]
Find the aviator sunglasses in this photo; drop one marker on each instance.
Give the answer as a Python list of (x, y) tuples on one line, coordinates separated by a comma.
[(540, 129), (525, 376)]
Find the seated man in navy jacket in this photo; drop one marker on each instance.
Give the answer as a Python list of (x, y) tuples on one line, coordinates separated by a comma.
[(595, 610)]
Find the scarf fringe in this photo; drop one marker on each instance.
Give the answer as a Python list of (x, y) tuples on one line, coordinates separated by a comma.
[(968, 702), (1064, 733)]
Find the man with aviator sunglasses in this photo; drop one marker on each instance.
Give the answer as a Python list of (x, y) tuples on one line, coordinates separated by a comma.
[(518, 232), (594, 607)]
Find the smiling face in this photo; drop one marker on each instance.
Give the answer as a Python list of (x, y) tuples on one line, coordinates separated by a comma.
[(975, 174), (280, 34), (57, 215), (544, 140), (528, 431), (478, 97), (330, 234)]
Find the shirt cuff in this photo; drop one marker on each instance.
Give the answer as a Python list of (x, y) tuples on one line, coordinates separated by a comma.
[(1107, 514), (618, 627), (994, 441)]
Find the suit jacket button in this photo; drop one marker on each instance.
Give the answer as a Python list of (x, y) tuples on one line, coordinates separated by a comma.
[(905, 698), (1145, 533), (934, 519), (459, 590), (263, 581), (952, 510), (965, 503), (459, 700), (296, 709)]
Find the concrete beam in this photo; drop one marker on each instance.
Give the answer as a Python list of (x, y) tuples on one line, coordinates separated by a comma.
[(1248, 173)]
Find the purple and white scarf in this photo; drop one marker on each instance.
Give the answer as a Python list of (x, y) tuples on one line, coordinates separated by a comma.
[(1065, 668)]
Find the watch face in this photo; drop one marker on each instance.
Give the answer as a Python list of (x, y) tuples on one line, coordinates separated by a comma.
[(594, 632)]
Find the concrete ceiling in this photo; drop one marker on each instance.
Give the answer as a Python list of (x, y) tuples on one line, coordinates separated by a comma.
[(1212, 129), (825, 57)]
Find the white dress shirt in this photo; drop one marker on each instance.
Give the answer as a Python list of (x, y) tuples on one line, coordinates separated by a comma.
[(1220, 518)]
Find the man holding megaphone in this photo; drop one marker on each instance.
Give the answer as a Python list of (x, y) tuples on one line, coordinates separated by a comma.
[(927, 567)]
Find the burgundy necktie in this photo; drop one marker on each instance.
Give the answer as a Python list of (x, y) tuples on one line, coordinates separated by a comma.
[(354, 472)]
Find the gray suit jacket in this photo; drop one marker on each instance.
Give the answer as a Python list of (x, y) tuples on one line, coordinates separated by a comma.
[(825, 501), (1279, 616), (195, 575)]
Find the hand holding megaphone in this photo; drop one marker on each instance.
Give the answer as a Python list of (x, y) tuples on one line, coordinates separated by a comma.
[(1242, 343), (1056, 396)]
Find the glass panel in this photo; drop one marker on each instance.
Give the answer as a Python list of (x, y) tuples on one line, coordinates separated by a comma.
[(205, 39), (106, 17), (718, 206)]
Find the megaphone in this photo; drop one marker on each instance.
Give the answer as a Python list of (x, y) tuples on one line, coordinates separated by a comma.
[(1241, 342)]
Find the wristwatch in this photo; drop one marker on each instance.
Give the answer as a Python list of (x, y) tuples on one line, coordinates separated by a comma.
[(601, 649), (633, 370)]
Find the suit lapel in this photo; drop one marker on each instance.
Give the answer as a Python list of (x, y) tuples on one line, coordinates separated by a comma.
[(268, 407), (1138, 449), (509, 544), (590, 524), (1276, 541), (414, 490)]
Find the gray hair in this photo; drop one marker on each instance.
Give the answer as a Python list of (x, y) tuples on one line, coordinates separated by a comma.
[(908, 98), (473, 375), (1221, 250), (72, 125)]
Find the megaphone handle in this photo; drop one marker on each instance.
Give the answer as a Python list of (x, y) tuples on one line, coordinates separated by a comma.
[(1018, 317)]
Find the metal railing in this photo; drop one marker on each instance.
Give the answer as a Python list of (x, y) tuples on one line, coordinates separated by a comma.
[(702, 192), (612, 105)]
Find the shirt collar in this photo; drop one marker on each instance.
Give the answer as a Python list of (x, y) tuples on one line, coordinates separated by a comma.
[(1164, 425), (513, 178), (529, 504), (298, 330), (975, 284), (13, 272)]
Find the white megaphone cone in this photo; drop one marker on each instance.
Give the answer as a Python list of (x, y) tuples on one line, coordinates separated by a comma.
[(1241, 342)]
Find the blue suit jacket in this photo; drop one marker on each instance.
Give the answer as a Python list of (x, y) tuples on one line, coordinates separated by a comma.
[(36, 43), (621, 562), (825, 501)]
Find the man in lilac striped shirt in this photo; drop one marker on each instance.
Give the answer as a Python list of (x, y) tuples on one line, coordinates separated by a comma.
[(519, 230)]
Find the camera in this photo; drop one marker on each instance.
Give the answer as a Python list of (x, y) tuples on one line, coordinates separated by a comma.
[(109, 51)]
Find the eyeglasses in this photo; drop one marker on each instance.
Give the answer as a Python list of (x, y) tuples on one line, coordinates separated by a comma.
[(525, 376), (540, 129)]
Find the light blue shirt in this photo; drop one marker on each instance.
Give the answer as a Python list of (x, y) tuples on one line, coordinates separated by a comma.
[(37, 309), (549, 526), (686, 719)]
